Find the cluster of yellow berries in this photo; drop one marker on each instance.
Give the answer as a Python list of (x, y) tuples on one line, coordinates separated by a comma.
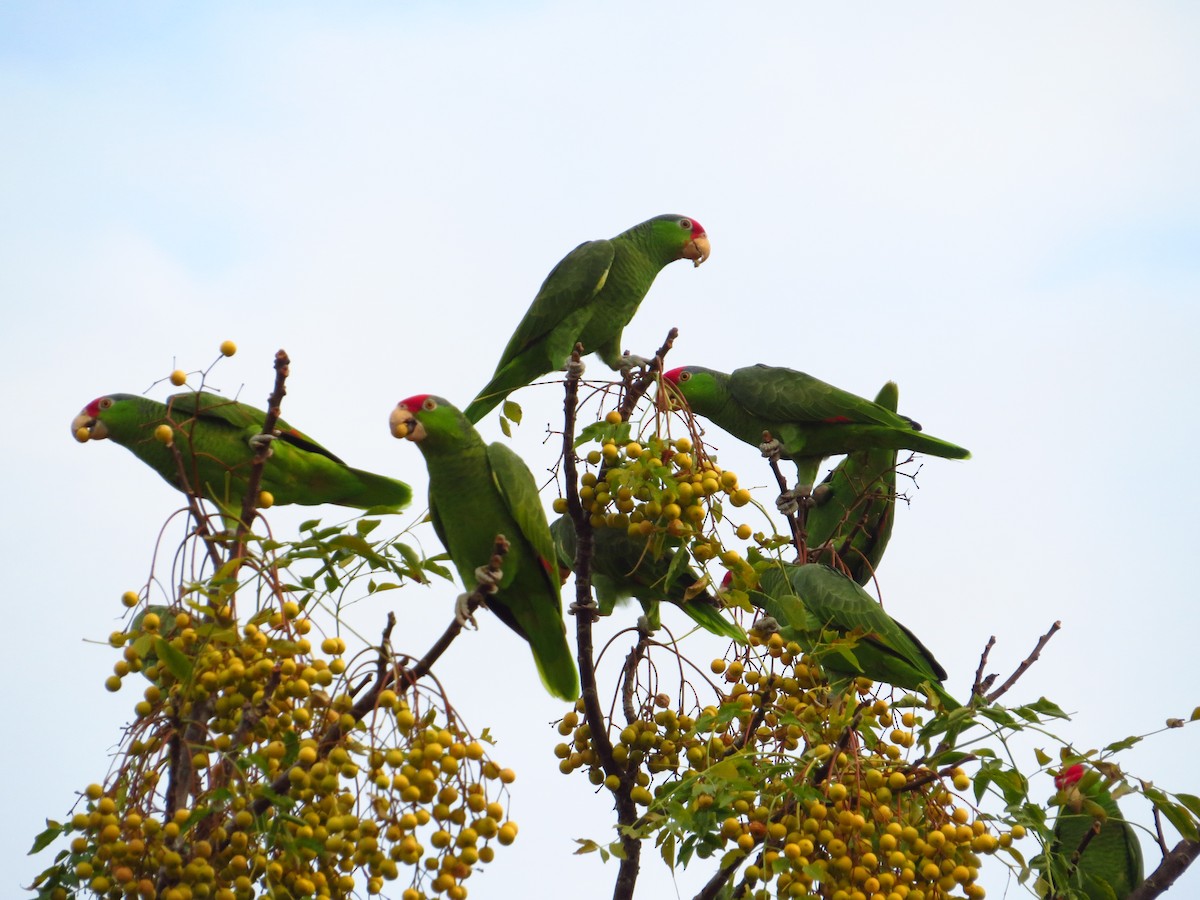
[(250, 771), (810, 786), (663, 486)]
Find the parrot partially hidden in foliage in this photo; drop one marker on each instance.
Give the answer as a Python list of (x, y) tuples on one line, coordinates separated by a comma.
[(624, 567), (589, 297), (854, 508), (1111, 865), (845, 629), (217, 437), (808, 418), (476, 492)]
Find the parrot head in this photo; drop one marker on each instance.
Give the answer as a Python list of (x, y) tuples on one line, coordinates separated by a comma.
[(696, 384), (696, 246), (1069, 777), (97, 420), (425, 416)]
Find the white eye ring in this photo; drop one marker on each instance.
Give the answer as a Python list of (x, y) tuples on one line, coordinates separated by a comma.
[(685, 224), (685, 376), (429, 404), (106, 402)]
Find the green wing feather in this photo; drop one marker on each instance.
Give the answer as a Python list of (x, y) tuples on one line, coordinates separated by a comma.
[(880, 647)]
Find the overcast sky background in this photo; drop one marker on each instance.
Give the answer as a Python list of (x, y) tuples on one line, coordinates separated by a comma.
[(998, 207)]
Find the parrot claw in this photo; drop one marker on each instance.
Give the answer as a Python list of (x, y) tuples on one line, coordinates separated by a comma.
[(584, 609), (764, 627), (462, 611), (630, 361), (574, 367), (799, 497), (771, 449), (488, 578), (258, 441)]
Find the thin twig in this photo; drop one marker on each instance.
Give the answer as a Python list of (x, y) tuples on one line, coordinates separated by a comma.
[(977, 688), (261, 453), (798, 535), (1173, 865), (1025, 664), (638, 389)]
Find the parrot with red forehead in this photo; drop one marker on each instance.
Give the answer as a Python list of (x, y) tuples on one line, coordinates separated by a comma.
[(589, 298), (807, 418), (1111, 865), (476, 492), (217, 439)]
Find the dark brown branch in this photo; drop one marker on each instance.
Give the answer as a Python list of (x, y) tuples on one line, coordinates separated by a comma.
[(584, 610), (262, 452), (1173, 865), (638, 389), (978, 687), (798, 535), (1025, 664), (721, 878)]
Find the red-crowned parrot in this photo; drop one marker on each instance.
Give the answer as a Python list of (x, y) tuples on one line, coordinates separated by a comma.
[(855, 507), (589, 297), (1110, 866), (807, 418), (845, 629), (476, 492), (624, 567), (216, 438)]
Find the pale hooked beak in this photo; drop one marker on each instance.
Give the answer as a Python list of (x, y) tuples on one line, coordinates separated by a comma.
[(404, 424), (697, 249), (84, 428)]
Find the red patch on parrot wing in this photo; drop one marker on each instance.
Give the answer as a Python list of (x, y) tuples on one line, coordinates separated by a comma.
[(838, 420)]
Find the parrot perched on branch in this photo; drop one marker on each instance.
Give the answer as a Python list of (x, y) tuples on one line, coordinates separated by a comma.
[(589, 297), (807, 418), (217, 437), (623, 567), (1110, 866), (845, 628), (476, 492), (855, 507)]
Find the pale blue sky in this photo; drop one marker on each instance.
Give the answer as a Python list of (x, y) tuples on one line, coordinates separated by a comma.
[(998, 207)]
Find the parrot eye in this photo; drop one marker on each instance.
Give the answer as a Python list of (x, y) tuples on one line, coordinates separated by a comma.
[(685, 376), (685, 224), (106, 402), (429, 404)]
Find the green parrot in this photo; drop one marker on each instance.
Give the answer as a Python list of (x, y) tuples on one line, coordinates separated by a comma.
[(811, 601), (855, 507), (808, 419), (217, 438), (589, 297), (1110, 866), (476, 492), (624, 567)]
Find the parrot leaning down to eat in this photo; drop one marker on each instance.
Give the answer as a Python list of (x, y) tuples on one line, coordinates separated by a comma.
[(624, 567), (476, 492), (1110, 866), (845, 629), (217, 437), (854, 508), (807, 418), (589, 297)]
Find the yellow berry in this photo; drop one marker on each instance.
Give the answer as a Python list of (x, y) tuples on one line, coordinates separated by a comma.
[(560, 505), (228, 348), (744, 532), (164, 434), (179, 377), (265, 499), (129, 598), (613, 418)]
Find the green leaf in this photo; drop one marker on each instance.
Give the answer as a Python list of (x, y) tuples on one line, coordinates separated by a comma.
[(668, 850), (512, 410), (359, 547), (47, 837), (177, 662), (1175, 814), (1047, 708), (366, 526), (309, 524), (1123, 745), (505, 427), (1043, 758), (1191, 801)]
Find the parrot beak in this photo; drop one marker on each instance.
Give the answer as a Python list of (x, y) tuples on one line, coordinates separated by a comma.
[(404, 424), (84, 428), (697, 249)]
